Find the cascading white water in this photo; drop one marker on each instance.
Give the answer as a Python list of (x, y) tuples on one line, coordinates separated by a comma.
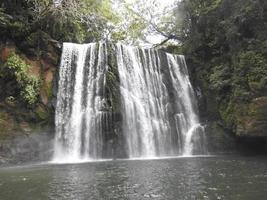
[(157, 104), (156, 93), (188, 121), (144, 95), (80, 102)]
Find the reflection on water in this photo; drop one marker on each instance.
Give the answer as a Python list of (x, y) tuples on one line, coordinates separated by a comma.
[(184, 178)]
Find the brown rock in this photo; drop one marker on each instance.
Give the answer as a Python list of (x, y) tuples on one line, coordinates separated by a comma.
[(25, 127), (7, 123), (48, 76), (5, 52), (254, 124), (46, 90), (35, 67), (51, 59)]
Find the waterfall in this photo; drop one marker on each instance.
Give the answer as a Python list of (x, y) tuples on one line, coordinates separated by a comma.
[(80, 110), (157, 104)]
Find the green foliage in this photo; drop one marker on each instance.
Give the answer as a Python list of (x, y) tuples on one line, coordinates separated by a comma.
[(17, 29), (255, 64), (118, 36), (220, 78), (68, 21), (226, 40), (16, 66), (135, 29), (29, 85), (227, 112), (4, 18), (130, 23), (29, 94)]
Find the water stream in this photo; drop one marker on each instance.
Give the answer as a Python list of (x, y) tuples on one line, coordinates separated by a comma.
[(158, 106)]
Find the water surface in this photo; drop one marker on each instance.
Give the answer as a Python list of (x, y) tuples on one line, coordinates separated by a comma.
[(179, 178)]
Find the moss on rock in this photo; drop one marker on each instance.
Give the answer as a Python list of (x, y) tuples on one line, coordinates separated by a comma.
[(26, 90), (254, 122)]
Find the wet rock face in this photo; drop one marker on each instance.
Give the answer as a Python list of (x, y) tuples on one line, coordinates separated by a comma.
[(21, 127), (114, 141), (254, 123), (17, 119), (26, 148), (248, 135), (219, 141), (229, 120)]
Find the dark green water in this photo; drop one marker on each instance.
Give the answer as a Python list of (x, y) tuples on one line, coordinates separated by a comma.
[(182, 178)]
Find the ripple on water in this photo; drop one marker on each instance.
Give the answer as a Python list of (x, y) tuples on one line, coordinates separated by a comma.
[(166, 179)]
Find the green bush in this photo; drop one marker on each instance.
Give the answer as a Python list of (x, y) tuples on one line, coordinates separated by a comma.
[(29, 85), (29, 94), (256, 69), (220, 77), (16, 66)]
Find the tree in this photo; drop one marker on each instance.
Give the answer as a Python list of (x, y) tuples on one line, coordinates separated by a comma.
[(225, 44), (142, 19), (65, 20)]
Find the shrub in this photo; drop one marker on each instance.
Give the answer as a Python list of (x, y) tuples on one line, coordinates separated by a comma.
[(29, 85), (220, 77)]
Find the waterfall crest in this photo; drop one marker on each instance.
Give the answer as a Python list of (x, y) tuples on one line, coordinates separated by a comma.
[(157, 104)]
